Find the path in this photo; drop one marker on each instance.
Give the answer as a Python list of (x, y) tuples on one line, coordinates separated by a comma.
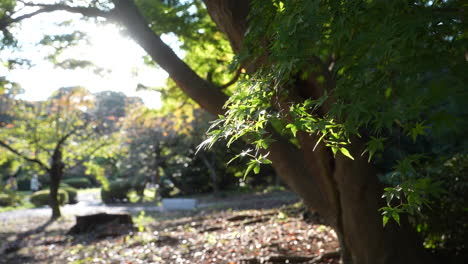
[(90, 202)]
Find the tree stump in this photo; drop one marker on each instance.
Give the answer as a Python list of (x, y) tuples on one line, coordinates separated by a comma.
[(103, 225)]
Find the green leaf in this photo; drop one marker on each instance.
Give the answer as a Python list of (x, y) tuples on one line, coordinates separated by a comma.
[(257, 168), (346, 153), (396, 216), (385, 220), (249, 168), (417, 130), (293, 129)]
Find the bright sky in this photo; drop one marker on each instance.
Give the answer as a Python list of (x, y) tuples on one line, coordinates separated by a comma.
[(108, 49)]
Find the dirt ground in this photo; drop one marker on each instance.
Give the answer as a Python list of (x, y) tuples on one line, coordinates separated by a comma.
[(248, 228)]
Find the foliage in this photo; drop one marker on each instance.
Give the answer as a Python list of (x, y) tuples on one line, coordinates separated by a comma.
[(79, 183), (117, 192), (71, 191), (72, 194), (444, 224), (393, 70), (41, 198), (6, 199)]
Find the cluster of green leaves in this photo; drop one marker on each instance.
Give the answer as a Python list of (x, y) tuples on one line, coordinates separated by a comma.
[(409, 197), (248, 115), (386, 67)]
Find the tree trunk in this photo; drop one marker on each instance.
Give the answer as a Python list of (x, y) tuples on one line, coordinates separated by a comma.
[(346, 193), (56, 174), (212, 171), (157, 175)]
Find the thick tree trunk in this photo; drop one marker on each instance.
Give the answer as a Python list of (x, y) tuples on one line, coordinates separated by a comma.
[(56, 174), (345, 192), (363, 233)]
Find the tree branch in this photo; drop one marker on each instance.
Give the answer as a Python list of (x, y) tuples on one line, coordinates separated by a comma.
[(90, 154), (234, 79), (204, 93), (11, 149), (48, 8)]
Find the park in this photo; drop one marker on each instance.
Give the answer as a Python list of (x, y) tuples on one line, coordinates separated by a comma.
[(233, 131)]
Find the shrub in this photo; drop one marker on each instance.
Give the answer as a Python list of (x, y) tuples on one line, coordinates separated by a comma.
[(72, 194), (41, 198), (78, 182), (6, 200), (116, 192)]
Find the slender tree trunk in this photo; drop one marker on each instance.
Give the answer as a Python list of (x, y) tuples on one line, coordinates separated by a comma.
[(56, 174), (212, 171), (157, 175)]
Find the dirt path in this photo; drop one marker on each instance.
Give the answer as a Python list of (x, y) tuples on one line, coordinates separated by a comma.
[(90, 203), (241, 228)]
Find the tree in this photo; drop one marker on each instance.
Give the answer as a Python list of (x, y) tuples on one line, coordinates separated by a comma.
[(161, 148), (340, 75), (40, 132)]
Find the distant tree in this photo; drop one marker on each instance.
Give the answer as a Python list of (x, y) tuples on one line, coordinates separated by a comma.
[(55, 135), (109, 109)]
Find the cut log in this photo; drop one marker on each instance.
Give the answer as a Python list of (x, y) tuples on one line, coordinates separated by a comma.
[(102, 225)]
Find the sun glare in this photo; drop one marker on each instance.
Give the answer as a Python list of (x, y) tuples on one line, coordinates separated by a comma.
[(118, 63)]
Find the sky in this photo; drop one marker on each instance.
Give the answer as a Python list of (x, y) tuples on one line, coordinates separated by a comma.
[(108, 48)]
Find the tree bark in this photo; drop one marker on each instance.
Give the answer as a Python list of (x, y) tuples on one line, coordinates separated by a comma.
[(56, 174)]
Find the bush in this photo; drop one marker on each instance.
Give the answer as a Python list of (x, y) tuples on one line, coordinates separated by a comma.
[(72, 194), (78, 182), (6, 200), (41, 198), (116, 192)]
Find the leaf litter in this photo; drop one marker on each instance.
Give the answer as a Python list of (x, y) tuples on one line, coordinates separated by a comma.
[(225, 236)]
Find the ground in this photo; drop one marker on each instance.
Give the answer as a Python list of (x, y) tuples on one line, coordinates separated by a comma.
[(247, 228)]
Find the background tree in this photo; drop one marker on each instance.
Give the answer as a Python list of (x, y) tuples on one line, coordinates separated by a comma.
[(54, 135), (161, 149)]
